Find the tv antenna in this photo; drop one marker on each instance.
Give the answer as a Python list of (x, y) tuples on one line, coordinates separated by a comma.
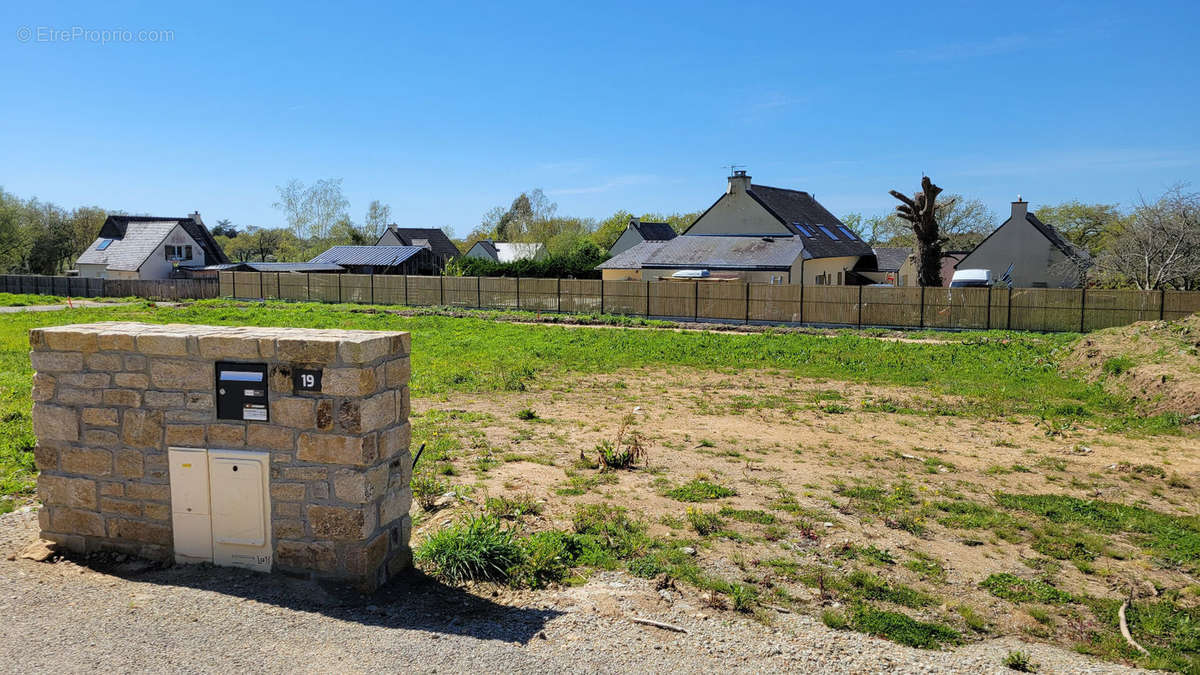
[(733, 168)]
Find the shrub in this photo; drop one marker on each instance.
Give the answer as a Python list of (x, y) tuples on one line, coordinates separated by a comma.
[(526, 414), (835, 620), (699, 490), (1020, 662), (704, 522), (547, 558), (607, 534), (1117, 365), (477, 548), (743, 597), (426, 489), (625, 452)]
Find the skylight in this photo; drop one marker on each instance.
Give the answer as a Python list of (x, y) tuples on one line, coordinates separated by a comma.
[(103, 244), (828, 233), (803, 230), (847, 232)]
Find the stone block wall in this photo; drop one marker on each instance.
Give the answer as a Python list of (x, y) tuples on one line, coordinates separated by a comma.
[(110, 398)]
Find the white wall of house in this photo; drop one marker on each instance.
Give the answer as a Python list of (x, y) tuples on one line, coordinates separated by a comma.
[(92, 271), (1034, 259), (478, 251), (156, 265)]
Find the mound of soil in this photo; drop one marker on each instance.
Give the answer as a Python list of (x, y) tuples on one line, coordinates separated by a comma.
[(1156, 363)]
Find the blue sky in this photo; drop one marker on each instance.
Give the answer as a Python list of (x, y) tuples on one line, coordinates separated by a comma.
[(445, 110)]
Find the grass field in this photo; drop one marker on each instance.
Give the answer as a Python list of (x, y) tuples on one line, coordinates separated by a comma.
[(941, 487)]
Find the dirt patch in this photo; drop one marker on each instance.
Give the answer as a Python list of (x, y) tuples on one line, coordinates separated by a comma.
[(1156, 363)]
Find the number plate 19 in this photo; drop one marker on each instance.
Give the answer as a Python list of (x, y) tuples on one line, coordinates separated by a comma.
[(306, 380)]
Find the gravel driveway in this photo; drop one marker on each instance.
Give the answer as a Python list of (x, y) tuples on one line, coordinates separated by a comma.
[(121, 615)]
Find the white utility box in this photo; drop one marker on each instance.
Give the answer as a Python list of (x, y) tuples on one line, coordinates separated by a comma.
[(220, 507)]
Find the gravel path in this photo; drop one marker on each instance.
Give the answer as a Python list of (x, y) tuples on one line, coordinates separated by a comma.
[(120, 616)]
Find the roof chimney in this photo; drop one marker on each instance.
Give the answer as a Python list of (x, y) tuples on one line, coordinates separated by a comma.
[(739, 182), (195, 215), (1019, 209)]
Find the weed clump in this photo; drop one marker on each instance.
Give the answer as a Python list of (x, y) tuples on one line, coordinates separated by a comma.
[(1015, 589), (477, 548), (698, 490)]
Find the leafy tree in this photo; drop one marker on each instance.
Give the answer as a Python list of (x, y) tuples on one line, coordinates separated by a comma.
[(1089, 226), (224, 228), (313, 211), (376, 220)]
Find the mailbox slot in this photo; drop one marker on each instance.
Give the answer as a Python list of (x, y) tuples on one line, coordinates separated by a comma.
[(242, 391)]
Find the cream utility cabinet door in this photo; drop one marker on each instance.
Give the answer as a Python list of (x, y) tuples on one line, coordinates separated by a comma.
[(190, 517), (241, 515), (221, 507)]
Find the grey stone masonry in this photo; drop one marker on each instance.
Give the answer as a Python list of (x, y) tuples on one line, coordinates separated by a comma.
[(110, 398)]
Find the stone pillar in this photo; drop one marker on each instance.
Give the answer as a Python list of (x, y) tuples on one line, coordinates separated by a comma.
[(110, 398)]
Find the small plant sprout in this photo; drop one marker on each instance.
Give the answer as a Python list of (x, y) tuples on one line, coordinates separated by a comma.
[(625, 452)]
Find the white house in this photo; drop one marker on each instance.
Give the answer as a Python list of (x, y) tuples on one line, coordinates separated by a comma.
[(506, 252), (146, 247)]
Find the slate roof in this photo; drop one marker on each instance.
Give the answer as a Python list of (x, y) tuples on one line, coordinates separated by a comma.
[(383, 256), (714, 252), (654, 231), (1060, 242), (434, 237), (802, 216), (632, 257), (130, 245), (888, 259)]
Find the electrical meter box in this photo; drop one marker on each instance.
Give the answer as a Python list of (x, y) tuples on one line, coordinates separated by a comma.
[(242, 391)]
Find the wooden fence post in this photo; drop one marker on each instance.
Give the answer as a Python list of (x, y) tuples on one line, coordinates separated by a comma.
[(308, 286), (1162, 303), (442, 290), (922, 324), (372, 288), (802, 285), (339, 299), (558, 295), (989, 309), (647, 297), (747, 303), (261, 294), (602, 296), (860, 305), (1082, 306), (1008, 323), (696, 301), (234, 284), (478, 294), (518, 291), (406, 290)]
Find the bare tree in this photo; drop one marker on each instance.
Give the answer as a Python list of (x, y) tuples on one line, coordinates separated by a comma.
[(920, 211), (1158, 247), (312, 210)]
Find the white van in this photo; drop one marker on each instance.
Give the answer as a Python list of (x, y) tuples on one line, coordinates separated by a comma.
[(971, 278)]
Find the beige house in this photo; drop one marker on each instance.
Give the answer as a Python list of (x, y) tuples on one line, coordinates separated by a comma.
[(145, 247), (756, 233), (1040, 257)]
